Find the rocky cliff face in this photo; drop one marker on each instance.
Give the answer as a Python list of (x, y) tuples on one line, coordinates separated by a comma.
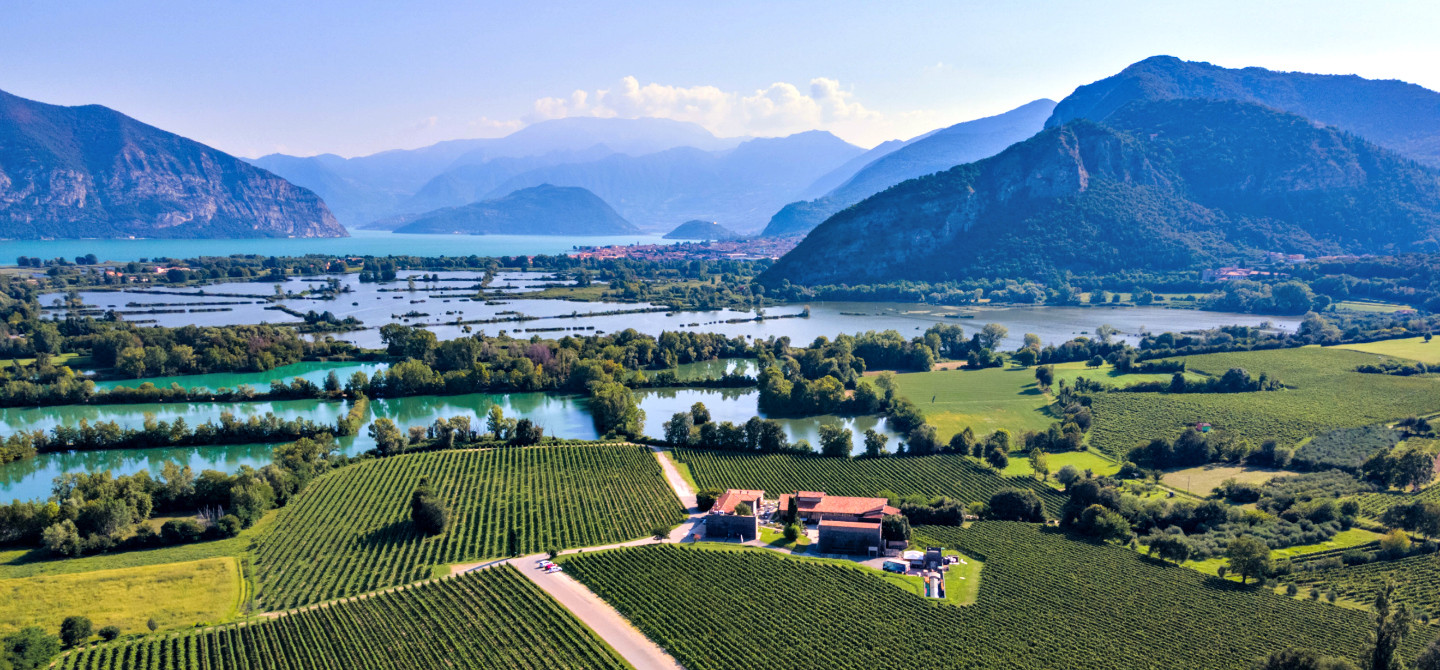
[(1162, 186), (71, 172)]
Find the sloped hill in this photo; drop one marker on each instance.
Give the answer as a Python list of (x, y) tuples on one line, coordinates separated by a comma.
[(540, 210)]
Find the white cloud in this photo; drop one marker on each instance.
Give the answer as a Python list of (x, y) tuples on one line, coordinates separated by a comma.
[(778, 109)]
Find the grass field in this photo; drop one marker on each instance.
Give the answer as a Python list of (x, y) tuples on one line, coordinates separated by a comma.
[(958, 477), (1324, 393), (350, 532), (1370, 307), (1107, 374), (985, 400), (22, 563), (488, 619), (72, 360), (1044, 601), (1082, 460), (174, 594), (1201, 480), (1413, 348)]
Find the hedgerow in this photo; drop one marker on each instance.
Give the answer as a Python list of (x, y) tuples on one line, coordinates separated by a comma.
[(492, 618)]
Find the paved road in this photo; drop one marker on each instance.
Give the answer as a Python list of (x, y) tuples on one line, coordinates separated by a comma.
[(630, 643)]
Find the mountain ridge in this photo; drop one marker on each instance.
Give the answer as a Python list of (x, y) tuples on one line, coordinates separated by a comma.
[(539, 210), (91, 171)]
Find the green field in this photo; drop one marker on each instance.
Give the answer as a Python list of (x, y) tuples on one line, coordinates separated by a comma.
[(492, 618), (1325, 393), (1106, 374), (21, 563), (1370, 307), (985, 400), (1044, 602), (174, 594), (950, 475), (1413, 348), (1203, 479), (350, 531), (1082, 460)]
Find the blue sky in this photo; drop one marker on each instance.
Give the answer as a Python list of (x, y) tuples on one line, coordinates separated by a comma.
[(354, 77)]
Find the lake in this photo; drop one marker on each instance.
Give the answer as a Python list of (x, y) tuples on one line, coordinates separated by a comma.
[(565, 416), (435, 304), (360, 243)]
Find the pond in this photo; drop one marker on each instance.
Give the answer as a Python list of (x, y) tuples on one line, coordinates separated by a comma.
[(565, 416), (313, 371)]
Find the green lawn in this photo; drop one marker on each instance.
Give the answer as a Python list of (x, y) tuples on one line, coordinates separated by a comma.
[(1367, 306), (985, 400), (1107, 374), (1413, 348), (776, 539), (1082, 460), (72, 360), (176, 595), (20, 563)]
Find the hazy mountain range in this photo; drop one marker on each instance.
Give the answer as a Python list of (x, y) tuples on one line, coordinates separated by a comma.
[(90, 171), (537, 210), (701, 230), (894, 162)]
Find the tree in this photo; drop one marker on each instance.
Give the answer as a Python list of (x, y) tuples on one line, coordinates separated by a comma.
[(997, 458), (1045, 375), (1392, 625), (875, 443), (792, 532), (1168, 547), (1249, 557), (152, 624), (1095, 361), (495, 423), (74, 630), (427, 512), (1430, 658), (705, 498), (109, 633), (699, 413), (895, 528), (1104, 524), (62, 538), (992, 334), (1040, 464), (923, 440), (1413, 468), (1068, 475), (615, 410), (29, 648), (388, 438), (1016, 505), (962, 442), (678, 429), (836, 441)]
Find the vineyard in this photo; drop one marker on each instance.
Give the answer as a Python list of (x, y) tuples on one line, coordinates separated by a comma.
[(1324, 393), (1375, 504), (492, 618), (350, 531), (1045, 602), (1417, 579), (955, 476), (1347, 448)]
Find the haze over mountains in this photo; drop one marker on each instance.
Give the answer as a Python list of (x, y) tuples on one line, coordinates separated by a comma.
[(537, 210), (91, 171), (1168, 165), (894, 162)]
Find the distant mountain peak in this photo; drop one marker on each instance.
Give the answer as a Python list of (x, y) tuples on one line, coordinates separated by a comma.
[(90, 171), (545, 209)]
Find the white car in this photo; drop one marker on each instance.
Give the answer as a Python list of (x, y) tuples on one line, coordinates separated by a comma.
[(552, 569)]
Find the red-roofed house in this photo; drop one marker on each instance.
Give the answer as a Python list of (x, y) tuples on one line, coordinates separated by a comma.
[(723, 522), (848, 525)]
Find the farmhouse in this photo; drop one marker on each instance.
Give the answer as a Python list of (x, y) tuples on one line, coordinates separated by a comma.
[(848, 525), (723, 523), (815, 506)]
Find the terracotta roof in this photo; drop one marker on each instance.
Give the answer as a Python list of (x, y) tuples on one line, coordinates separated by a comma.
[(810, 494), (849, 524), (848, 505), (727, 502)]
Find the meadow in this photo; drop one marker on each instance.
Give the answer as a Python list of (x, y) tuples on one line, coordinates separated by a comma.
[(1044, 601), (957, 477), (173, 594), (985, 400), (1324, 393), (1202, 480), (350, 532), (493, 618), (1413, 348)]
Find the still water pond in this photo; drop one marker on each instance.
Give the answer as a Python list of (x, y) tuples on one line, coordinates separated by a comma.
[(561, 415)]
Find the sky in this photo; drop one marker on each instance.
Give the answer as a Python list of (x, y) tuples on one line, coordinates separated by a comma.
[(354, 77)]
